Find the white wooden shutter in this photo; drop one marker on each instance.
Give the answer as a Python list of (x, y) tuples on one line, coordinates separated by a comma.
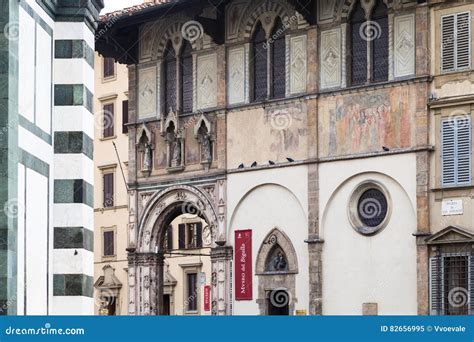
[(436, 285), (463, 41), (448, 43), (456, 151), (464, 150), (455, 42), (448, 153)]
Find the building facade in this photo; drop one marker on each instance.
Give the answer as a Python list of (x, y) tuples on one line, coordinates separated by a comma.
[(326, 145), (110, 192), (47, 84)]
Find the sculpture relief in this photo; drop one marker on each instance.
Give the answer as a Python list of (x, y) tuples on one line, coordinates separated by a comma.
[(145, 149)]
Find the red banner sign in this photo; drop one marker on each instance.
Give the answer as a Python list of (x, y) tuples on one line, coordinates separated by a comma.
[(243, 265), (207, 298)]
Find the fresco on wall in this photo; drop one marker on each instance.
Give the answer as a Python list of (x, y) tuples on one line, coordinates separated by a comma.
[(366, 123), (287, 128)]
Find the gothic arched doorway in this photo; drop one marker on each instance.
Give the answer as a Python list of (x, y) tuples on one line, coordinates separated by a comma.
[(149, 282), (276, 270)]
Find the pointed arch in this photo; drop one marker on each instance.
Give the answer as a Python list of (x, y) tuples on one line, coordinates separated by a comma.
[(276, 238), (266, 12)]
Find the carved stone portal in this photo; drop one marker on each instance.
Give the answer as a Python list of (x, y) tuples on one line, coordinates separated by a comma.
[(146, 262)]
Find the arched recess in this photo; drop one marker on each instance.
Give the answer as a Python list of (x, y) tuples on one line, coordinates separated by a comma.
[(276, 269), (369, 176), (368, 6), (274, 239), (164, 206), (170, 33), (266, 12)]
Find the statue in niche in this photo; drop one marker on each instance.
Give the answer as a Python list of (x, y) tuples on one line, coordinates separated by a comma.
[(279, 263), (276, 261), (206, 149), (176, 160), (147, 158), (205, 139)]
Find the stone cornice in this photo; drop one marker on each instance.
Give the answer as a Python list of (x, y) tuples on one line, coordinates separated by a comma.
[(86, 11)]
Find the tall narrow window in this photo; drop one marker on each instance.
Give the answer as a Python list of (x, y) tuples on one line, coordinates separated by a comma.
[(456, 151), (192, 295), (359, 63), (187, 78), (260, 60), (170, 78), (108, 190), (109, 249), (456, 42), (109, 67), (380, 43), (108, 120), (124, 116), (278, 60)]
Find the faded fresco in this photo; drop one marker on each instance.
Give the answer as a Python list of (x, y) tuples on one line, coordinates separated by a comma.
[(262, 134), (366, 123)]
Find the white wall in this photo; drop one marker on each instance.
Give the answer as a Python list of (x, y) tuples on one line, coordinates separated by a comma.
[(359, 269), (261, 201)]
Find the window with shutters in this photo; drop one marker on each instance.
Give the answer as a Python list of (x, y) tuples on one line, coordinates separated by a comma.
[(124, 117), (456, 151), (108, 120), (190, 235), (108, 68), (452, 284), (170, 78), (108, 190), (187, 78), (369, 38), (456, 42), (109, 243)]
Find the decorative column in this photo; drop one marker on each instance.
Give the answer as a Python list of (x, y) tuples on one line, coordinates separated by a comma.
[(221, 281), (145, 283)]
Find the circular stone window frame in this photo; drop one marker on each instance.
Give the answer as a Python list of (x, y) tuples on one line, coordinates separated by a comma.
[(353, 210)]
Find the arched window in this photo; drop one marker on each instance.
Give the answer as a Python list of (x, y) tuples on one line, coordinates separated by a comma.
[(359, 63), (278, 60), (170, 78), (380, 43), (260, 60), (369, 44), (187, 78)]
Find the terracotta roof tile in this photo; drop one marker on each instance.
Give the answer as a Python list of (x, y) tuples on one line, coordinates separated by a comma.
[(128, 11)]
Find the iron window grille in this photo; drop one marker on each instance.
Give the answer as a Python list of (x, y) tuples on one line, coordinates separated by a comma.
[(452, 284)]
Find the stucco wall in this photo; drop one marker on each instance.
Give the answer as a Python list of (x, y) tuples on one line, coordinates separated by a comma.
[(262, 201), (360, 269)]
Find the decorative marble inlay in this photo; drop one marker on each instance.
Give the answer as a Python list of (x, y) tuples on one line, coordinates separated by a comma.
[(330, 58), (297, 66), (206, 81), (237, 76), (147, 98), (404, 45)]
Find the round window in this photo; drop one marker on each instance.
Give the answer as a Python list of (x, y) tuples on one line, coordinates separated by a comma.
[(369, 208), (372, 208)]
